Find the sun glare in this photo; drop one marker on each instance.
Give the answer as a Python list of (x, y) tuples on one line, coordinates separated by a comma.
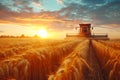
[(43, 33)]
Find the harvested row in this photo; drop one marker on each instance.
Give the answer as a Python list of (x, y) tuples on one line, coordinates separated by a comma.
[(113, 44), (35, 64), (21, 49), (109, 59), (76, 66)]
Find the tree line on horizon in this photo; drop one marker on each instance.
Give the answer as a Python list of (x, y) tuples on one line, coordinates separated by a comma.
[(21, 36)]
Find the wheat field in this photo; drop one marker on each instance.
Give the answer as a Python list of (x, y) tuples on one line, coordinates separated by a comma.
[(81, 59)]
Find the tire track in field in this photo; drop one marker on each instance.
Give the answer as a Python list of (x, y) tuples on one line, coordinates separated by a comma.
[(93, 62)]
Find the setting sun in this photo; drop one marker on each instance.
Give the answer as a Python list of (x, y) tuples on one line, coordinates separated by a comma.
[(43, 33)]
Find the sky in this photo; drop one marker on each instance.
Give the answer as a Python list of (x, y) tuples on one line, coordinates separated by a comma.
[(59, 17)]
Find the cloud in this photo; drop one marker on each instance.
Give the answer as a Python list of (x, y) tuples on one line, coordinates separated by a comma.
[(37, 4), (76, 11), (73, 13), (23, 17), (3, 7), (23, 5), (93, 1), (107, 14), (60, 2), (89, 3), (46, 18)]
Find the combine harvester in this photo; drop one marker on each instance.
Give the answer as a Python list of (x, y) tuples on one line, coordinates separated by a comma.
[(85, 32)]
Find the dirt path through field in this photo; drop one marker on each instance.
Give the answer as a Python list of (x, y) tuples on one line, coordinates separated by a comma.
[(92, 62)]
